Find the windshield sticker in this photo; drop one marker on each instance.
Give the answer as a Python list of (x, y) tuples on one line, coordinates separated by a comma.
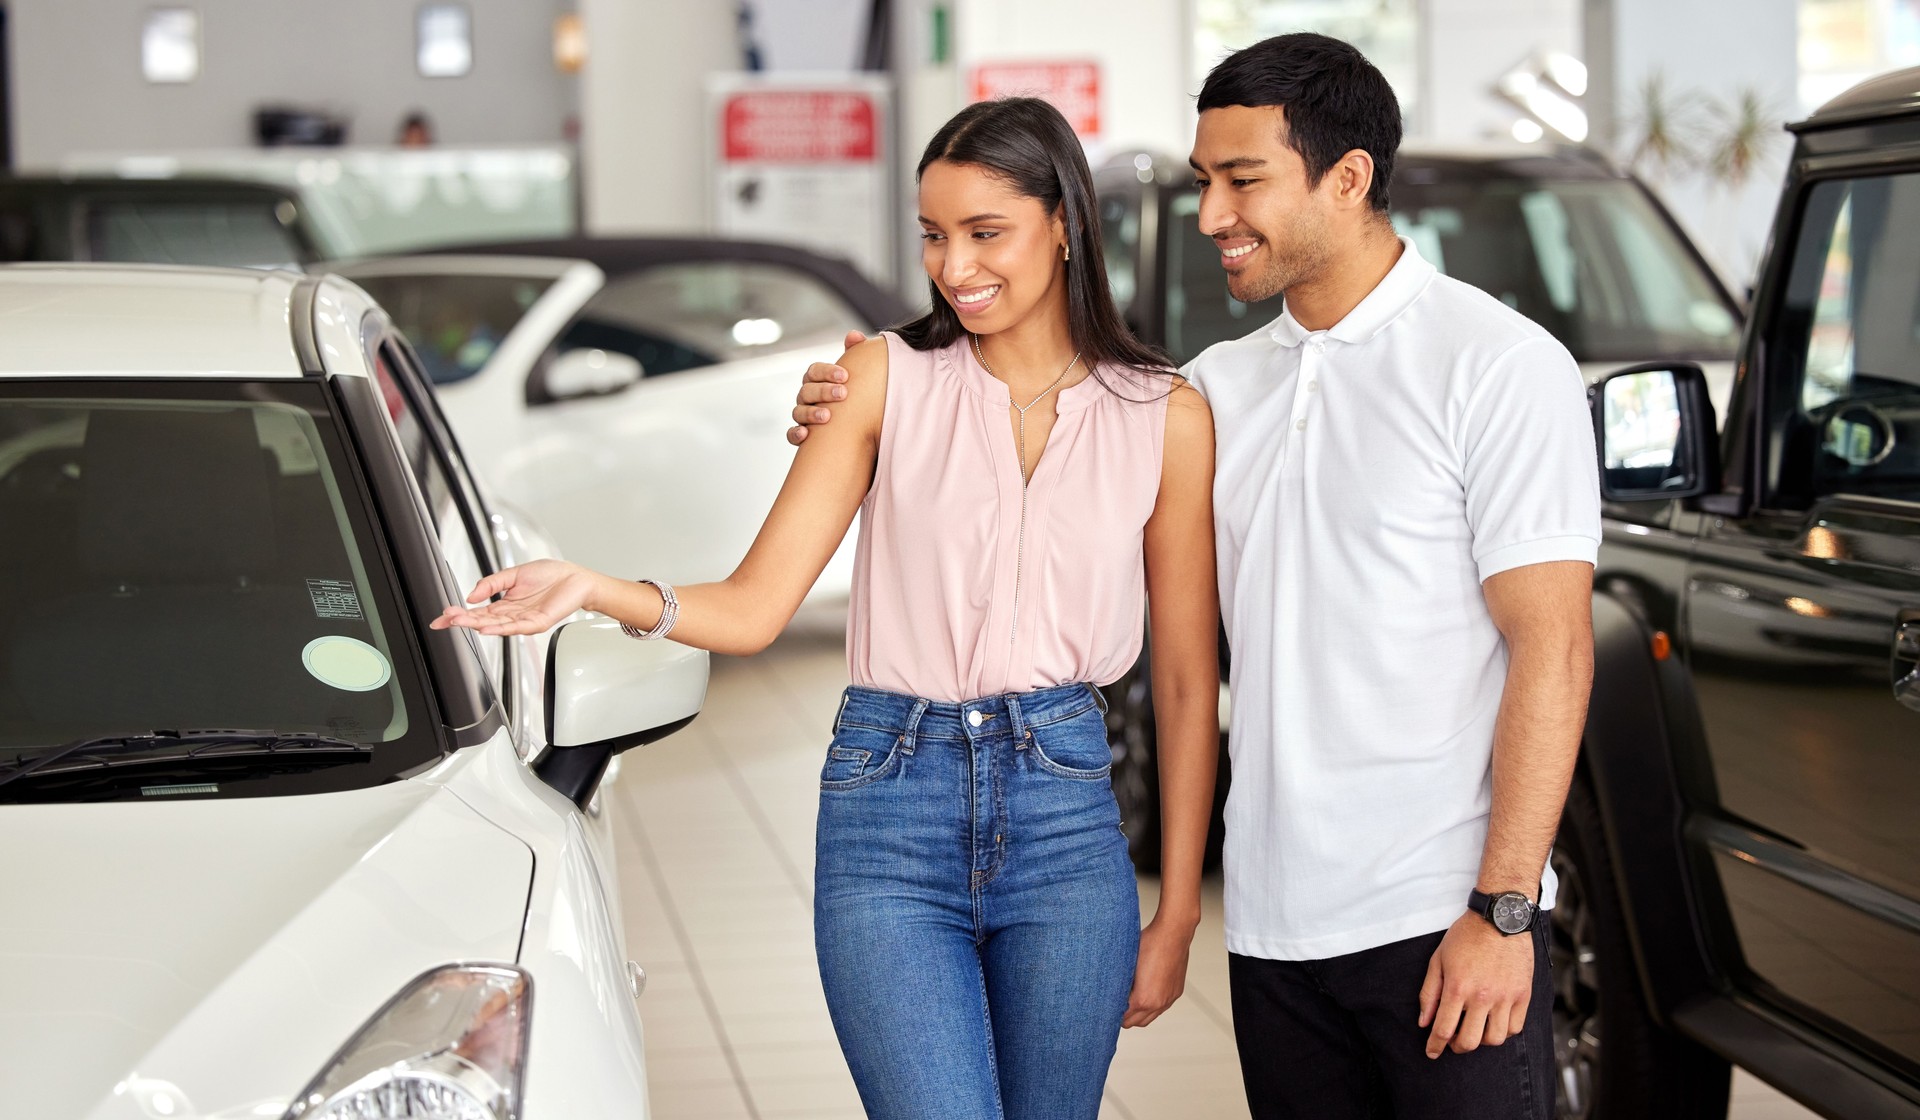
[(348, 664), (334, 598)]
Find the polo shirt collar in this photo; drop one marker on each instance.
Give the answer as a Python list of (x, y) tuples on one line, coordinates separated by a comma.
[(1396, 292)]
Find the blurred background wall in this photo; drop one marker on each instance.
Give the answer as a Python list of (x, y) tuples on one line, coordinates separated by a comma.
[(77, 84)]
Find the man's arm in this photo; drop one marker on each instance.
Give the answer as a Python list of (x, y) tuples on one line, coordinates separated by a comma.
[(1479, 983), (824, 384)]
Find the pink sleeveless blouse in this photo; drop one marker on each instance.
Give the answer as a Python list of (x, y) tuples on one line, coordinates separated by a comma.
[(961, 590)]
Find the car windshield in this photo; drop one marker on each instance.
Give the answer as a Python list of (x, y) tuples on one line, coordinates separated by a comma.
[(250, 233), (455, 322), (1592, 261), (191, 556)]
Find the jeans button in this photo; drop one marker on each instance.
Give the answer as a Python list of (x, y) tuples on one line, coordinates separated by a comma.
[(976, 719)]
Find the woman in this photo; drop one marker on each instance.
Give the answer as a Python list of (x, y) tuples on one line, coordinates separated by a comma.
[(1027, 474)]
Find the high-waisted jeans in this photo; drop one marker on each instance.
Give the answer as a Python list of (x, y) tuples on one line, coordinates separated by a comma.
[(975, 912)]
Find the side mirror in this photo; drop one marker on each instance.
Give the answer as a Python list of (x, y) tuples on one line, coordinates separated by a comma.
[(607, 693), (591, 372), (1654, 428)]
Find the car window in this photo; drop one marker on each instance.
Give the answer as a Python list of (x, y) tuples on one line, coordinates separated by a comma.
[(1120, 242), (1592, 261), (689, 314), (1199, 310), (1847, 348), (198, 558), (462, 542), (455, 322), (245, 233)]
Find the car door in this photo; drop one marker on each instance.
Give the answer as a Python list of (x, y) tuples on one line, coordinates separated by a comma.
[(1803, 635)]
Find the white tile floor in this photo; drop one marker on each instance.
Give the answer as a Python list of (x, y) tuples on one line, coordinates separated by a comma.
[(716, 851)]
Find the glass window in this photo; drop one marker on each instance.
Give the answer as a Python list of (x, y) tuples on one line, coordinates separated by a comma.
[(246, 234), (690, 314), (1591, 261), (1846, 351), (455, 323), (459, 540), (197, 559), (1120, 244), (1386, 31), (1199, 310)]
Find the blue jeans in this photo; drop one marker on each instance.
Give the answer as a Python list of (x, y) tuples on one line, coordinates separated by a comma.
[(974, 908)]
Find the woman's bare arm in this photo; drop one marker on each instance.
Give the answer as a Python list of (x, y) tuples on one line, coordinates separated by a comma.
[(1184, 617), (743, 613)]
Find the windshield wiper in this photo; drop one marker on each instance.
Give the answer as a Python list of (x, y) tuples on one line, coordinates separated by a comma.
[(205, 744)]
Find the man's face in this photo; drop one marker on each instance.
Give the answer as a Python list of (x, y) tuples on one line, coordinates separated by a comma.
[(1273, 230)]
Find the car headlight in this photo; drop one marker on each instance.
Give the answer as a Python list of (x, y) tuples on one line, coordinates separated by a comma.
[(451, 1046)]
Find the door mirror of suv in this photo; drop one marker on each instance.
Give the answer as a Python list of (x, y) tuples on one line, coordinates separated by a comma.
[(607, 693), (591, 372), (1654, 427)]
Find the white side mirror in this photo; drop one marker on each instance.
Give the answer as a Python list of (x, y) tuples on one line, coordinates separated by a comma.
[(590, 372), (607, 693)]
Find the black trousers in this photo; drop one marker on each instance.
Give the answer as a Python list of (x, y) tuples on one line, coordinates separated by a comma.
[(1340, 1039)]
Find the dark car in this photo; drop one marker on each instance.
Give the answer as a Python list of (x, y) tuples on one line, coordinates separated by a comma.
[(1740, 855), (1560, 235), (156, 221)]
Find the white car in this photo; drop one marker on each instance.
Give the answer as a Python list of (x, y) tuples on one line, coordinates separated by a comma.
[(275, 848), (631, 392)]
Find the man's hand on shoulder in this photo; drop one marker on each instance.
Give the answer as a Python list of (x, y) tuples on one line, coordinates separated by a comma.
[(824, 383), (1478, 987)]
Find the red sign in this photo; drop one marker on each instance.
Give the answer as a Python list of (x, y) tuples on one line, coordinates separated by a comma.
[(1071, 87), (799, 126)]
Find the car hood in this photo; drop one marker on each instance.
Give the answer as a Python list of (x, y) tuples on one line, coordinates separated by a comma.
[(217, 953)]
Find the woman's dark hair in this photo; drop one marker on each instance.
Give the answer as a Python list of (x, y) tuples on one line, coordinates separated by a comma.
[(1027, 144), (1335, 100)]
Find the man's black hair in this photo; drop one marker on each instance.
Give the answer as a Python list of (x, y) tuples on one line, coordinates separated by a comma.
[(1335, 100)]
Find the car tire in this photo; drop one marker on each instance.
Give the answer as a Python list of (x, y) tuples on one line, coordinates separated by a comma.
[(1133, 739), (1612, 1060)]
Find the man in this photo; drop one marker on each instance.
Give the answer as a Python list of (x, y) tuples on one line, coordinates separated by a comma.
[(1407, 516)]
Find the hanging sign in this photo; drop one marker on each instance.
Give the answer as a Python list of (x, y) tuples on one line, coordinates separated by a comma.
[(1071, 87), (803, 160)]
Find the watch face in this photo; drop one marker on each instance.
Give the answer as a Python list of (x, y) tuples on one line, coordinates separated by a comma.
[(1512, 913)]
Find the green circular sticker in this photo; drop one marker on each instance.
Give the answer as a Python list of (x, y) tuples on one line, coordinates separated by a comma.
[(346, 663)]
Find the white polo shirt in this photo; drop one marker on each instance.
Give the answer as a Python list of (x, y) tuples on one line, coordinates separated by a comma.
[(1369, 477)]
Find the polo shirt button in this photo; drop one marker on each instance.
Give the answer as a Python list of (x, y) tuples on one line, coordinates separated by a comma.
[(1300, 425), (976, 719), (1313, 386)]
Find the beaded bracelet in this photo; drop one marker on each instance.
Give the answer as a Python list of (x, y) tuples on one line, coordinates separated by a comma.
[(669, 614)]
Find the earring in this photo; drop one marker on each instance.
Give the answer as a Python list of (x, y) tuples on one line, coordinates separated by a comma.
[(1069, 253)]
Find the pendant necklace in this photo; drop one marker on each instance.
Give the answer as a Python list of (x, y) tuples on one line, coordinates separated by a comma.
[(1022, 439)]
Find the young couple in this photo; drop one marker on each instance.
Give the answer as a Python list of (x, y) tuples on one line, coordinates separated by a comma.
[(1398, 476)]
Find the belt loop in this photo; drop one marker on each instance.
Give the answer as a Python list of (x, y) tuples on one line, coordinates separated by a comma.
[(846, 695), (913, 724), (1099, 697), (1018, 721)]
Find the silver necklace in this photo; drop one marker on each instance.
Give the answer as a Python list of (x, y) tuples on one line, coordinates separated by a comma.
[(1022, 410)]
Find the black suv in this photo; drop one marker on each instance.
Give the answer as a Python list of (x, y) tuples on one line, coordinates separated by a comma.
[(1740, 855)]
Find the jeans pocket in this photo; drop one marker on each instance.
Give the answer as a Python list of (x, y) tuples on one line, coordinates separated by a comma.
[(854, 759), (1075, 747)]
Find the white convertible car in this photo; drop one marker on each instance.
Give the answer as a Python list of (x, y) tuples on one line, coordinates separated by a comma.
[(274, 848), (631, 392)]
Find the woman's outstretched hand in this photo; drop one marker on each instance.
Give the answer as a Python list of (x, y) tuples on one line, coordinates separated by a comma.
[(1161, 974), (535, 596)]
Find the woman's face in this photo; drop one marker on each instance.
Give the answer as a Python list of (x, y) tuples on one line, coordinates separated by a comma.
[(994, 253)]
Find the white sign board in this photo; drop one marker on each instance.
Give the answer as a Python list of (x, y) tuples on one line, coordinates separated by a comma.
[(805, 160)]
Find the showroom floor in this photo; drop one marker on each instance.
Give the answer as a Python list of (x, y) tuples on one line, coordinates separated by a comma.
[(716, 856)]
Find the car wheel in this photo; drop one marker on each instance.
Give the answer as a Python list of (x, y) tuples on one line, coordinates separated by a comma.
[(1136, 763), (1612, 1060)]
